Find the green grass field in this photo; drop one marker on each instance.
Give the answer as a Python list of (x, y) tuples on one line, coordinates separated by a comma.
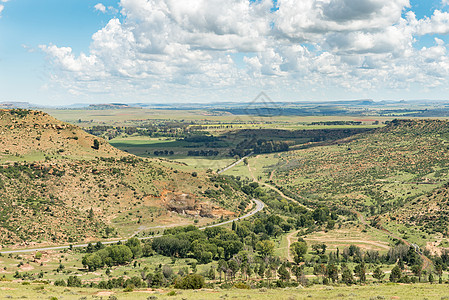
[(374, 291), (125, 117)]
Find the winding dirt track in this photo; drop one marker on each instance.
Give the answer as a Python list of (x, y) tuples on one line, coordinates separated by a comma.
[(274, 188), (290, 236)]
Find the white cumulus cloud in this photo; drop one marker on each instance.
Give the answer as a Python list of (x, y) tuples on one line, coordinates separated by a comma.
[(181, 46), (100, 7), (103, 9), (438, 23)]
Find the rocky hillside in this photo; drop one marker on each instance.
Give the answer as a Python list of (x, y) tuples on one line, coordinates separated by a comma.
[(31, 135), (59, 184)]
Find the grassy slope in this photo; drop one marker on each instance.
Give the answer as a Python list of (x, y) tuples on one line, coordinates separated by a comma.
[(51, 175), (374, 173)]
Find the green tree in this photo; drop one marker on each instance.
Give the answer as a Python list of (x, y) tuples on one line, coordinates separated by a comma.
[(89, 248), (135, 246), (38, 255), (92, 261), (98, 246), (299, 249), (320, 270), (284, 274), (74, 281), (120, 254), (194, 267), (222, 267), (60, 282), (360, 272), (332, 272), (261, 270), (265, 248), (147, 250), (298, 272), (204, 257), (96, 144), (431, 278), (378, 274), (346, 276), (191, 281), (396, 274), (91, 214), (417, 270), (211, 273), (233, 266), (439, 271)]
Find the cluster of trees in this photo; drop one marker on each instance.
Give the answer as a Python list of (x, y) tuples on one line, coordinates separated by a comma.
[(328, 123), (294, 215), (202, 153), (163, 152), (227, 186), (262, 146), (201, 138), (72, 281), (31, 171), (162, 276), (400, 253), (218, 243), (258, 146), (342, 273), (165, 129), (21, 113), (120, 282), (110, 132), (335, 273), (98, 256), (333, 266), (212, 243), (246, 251)]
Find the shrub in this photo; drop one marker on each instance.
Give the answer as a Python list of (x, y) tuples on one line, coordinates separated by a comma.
[(38, 255), (241, 285), (74, 281), (60, 282), (191, 281), (129, 288), (96, 145)]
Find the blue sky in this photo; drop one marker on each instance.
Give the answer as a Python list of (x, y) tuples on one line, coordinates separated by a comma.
[(62, 52)]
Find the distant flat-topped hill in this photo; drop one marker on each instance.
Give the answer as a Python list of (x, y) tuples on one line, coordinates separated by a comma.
[(59, 184)]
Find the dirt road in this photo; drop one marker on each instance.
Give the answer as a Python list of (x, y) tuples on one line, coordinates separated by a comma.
[(259, 206)]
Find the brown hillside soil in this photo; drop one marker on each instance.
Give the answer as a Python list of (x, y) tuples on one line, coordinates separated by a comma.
[(56, 188)]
